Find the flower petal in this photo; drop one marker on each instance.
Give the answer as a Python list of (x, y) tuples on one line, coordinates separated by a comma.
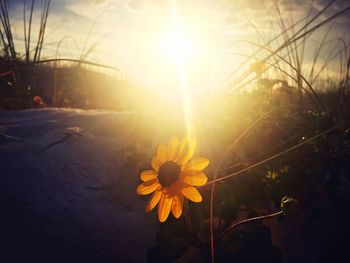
[(194, 177), (164, 207), (155, 164), (186, 150), (177, 206), (148, 175), (153, 201), (197, 164), (191, 193), (147, 187), (162, 153), (173, 148)]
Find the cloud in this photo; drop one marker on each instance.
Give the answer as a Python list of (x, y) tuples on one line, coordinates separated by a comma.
[(98, 1)]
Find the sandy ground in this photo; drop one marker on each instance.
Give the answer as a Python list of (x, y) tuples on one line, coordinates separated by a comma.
[(67, 190)]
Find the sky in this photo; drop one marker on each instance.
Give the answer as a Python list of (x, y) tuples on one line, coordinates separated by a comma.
[(134, 35)]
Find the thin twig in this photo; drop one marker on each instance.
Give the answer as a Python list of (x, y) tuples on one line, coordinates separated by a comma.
[(249, 220), (277, 154), (217, 170), (188, 218)]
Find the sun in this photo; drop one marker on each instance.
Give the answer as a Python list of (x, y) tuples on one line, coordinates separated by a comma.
[(180, 47)]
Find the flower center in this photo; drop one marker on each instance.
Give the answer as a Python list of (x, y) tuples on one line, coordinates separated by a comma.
[(168, 173)]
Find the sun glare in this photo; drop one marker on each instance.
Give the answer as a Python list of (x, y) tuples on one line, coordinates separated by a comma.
[(179, 47)]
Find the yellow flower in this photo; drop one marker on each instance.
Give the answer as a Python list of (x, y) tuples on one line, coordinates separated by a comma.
[(173, 177)]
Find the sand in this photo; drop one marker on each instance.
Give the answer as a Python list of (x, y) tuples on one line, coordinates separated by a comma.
[(67, 190)]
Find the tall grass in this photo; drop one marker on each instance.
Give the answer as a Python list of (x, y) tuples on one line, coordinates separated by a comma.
[(19, 70), (289, 53), (11, 60)]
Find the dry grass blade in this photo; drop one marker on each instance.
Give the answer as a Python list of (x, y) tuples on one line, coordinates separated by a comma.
[(286, 43), (278, 154)]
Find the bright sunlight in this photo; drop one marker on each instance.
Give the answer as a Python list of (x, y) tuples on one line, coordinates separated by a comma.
[(179, 47)]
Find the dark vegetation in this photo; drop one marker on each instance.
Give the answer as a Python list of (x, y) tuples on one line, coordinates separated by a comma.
[(75, 83), (72, 87), (289, 137), (288, 149)]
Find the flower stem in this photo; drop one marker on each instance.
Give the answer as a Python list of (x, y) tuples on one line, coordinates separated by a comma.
[(249, 220), (188, 219)]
